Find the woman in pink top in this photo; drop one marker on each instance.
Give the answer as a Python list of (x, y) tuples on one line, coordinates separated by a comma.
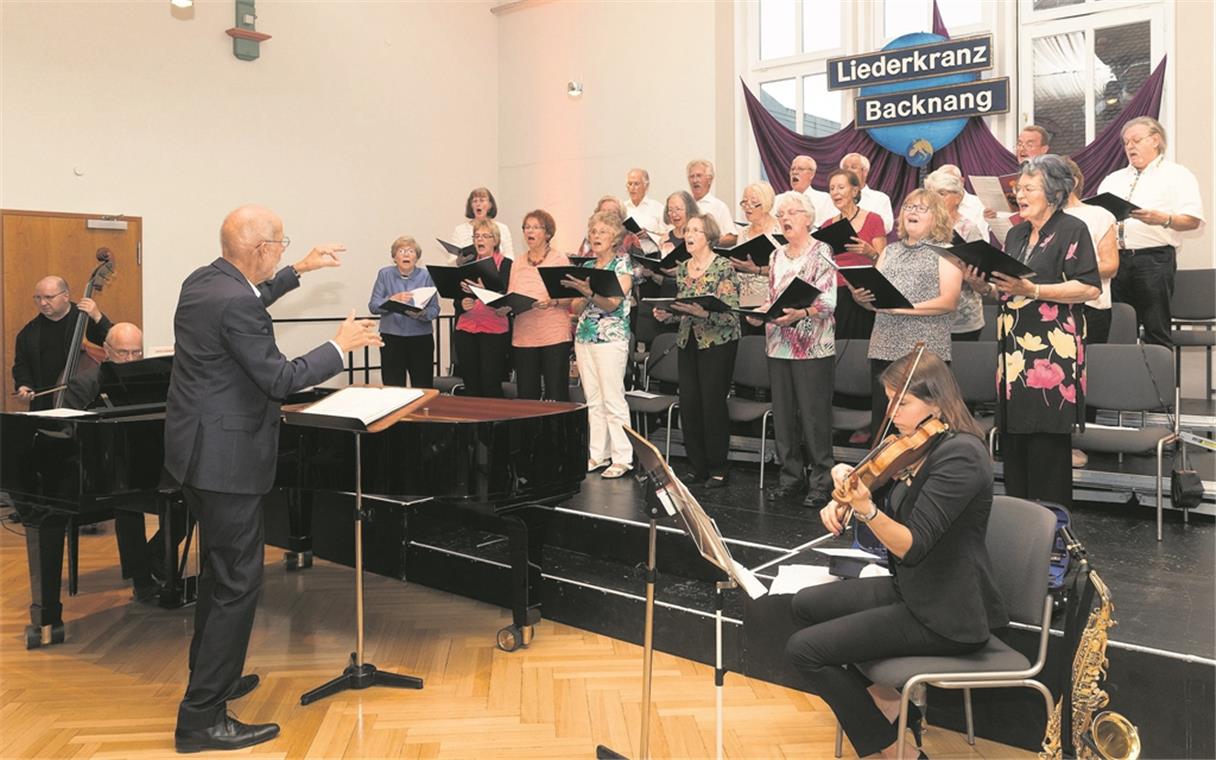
[(543, 336), (481, 336), (844, 188)]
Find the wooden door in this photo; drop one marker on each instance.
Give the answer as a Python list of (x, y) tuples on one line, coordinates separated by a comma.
[(34, 244)]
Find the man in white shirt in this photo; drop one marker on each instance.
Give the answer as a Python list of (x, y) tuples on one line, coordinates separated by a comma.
[(872, 200), (802, 171), (971, 207), (1168, 197), (647, 212), (700, 180), (1033, 141)]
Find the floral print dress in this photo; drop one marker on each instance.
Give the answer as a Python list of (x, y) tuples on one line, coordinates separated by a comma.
[(721, 280), (1041, 364)]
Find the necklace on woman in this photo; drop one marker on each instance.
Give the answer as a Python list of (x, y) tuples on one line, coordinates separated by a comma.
[(543, 256)]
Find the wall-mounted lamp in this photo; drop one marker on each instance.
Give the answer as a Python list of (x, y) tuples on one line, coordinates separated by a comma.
[(182, 3), (574, 89)]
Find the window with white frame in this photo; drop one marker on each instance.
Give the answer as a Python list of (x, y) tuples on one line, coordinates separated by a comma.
[(1086, 60), (789, 42)]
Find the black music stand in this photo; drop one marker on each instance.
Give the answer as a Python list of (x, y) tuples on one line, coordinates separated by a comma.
[(358, 674), (668, 495)]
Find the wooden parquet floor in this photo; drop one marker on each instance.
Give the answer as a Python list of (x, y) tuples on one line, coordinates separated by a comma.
[(111, 690)]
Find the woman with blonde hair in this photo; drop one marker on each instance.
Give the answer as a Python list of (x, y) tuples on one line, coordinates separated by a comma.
[(926, 279)]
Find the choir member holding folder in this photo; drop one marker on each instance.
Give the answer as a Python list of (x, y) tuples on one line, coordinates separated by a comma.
[(801, 348), (929, 281), (481, 338), (601, 345), (481, 205), (844, 188), (404, 297), (969, 317), (1041, 328), (541, 339), (757, 206), (707, 343)]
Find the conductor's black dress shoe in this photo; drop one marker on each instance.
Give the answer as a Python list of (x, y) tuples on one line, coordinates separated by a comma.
[(244, 685), (227, 733)]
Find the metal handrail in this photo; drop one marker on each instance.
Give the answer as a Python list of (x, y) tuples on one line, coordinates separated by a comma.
[(442, 325)]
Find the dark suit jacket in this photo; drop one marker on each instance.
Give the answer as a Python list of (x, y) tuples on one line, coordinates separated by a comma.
[(945, 578), (229, 378)]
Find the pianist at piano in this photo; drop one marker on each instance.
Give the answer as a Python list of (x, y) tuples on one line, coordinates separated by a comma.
[(221, 435), (142, 558), (41, 349)]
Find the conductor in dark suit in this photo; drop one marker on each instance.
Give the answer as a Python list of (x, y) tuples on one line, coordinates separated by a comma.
[(221, 441)]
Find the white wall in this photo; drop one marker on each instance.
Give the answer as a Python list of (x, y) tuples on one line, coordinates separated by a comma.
[(1191, 137), (649, 100), (360, 122)]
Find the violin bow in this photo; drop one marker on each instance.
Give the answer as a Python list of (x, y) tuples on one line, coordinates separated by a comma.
[(887, 420)]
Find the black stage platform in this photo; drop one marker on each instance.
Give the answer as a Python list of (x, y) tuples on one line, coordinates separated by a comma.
[(1162, 674)]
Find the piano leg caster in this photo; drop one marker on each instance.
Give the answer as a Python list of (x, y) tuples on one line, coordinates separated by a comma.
[(297, 560), (513, 637), (45, 635)]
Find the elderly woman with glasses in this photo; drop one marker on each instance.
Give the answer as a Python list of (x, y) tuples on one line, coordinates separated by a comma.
[(542, 338), (927, 280), (844, 189), (409, 346), (969, 317), (482, 335), (601, 346), (757, 207), (478, 206), (1041, 334), (801, 349), (708, 342)]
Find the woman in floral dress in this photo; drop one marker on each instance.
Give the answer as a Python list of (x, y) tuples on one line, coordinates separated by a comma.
[(708, 342), (1041, 332)]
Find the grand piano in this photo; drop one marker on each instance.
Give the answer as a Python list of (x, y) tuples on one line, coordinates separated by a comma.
[(504, 462)]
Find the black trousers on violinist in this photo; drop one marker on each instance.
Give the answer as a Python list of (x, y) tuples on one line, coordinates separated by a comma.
[(705, 375), (854, 621)]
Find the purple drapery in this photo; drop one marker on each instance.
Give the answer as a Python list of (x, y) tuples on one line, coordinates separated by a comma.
[(976, 151)]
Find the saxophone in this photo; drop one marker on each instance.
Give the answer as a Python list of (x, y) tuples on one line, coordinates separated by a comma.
[(1108, 735)]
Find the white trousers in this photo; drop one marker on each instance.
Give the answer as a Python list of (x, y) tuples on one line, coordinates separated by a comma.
[(601, 366)]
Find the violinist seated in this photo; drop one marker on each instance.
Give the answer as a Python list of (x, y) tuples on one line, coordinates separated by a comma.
[(142, 559), (42, 345), (941, 599)]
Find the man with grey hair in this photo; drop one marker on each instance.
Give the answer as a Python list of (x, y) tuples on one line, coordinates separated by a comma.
[(41, 349), (700, 180), (1168, 196), (971, 207), (221, 441), (802, 171), (647, 212), (872, 200)]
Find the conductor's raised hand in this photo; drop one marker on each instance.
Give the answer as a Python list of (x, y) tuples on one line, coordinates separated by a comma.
[(320, 257), (357, 333)]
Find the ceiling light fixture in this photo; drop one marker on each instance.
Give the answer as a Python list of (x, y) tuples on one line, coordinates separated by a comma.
[(182, 3)]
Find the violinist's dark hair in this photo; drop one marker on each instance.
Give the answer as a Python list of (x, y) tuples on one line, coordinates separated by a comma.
[(933, 383)]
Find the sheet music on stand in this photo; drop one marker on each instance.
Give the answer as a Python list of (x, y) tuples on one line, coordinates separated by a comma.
[(678, 502)]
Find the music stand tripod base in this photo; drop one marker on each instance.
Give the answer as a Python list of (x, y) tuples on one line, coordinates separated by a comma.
[(359, 674)]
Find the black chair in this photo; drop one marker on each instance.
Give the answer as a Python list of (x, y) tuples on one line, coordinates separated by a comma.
[(1136, 378), (1194, 306), (974, 366), (661, 365), (1019, 540), (751, 371), (852, 379), (1123, 327), (991, 312)]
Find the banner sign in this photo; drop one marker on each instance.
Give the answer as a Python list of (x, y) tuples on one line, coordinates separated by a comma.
[(981, 98), (955, 56)]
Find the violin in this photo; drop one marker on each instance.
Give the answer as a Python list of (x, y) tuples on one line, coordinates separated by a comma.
[(896, 453), (890, 459), (97, 281)]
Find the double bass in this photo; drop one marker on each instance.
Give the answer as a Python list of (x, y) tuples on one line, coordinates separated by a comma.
[(97, 282)]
